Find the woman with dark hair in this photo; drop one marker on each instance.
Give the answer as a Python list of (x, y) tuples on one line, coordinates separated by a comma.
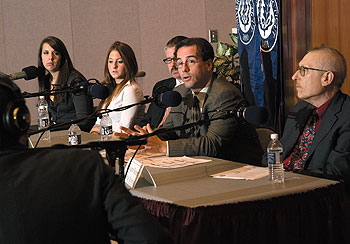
[(59, 73), (119, 75)]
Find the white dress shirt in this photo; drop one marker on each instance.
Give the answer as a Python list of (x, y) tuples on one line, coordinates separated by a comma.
[(131, 93)]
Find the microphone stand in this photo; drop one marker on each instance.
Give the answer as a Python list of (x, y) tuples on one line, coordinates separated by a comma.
[(180, 127), (69, 89), (46, 93), (95, 114), (114, 149)]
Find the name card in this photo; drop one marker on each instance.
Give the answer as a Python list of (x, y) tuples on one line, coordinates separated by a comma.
[(133, 172)]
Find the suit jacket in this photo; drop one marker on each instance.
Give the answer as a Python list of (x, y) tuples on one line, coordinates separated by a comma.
[(329, 154), (68, 196), (222, 138), (155, 113), (74, 106)]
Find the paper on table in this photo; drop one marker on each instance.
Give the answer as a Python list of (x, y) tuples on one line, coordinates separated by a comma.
[(158, 160), (170, 162), (247, 172)]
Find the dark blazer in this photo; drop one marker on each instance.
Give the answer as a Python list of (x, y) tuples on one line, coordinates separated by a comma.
[(222, 138), (155, 113), (330, 150), (68, 196), (74, 106)]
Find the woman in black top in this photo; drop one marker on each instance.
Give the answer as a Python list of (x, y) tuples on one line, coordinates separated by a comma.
[(59, 73)]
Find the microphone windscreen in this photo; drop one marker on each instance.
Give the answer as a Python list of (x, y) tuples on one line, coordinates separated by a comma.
[(31, 72), (256, 115), (171, 99), (99, 91)]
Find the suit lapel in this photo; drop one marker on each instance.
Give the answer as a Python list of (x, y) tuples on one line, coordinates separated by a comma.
[(327, 122), (296, 123), (188, 103), (207, 94)]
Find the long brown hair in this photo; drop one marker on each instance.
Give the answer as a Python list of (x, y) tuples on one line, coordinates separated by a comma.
[(131, 68), (65, 68)]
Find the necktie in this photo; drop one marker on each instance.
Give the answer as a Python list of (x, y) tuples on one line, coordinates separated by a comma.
[(196, 114), (301, 149), (196, 111)]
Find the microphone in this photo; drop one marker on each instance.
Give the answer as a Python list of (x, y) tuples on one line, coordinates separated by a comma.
[(28, 73), (168, 99), (140, 74), (98, 91), (249, 114), (95, 90)]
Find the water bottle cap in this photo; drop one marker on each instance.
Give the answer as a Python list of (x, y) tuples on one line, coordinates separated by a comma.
[(41, 97), (274, 136)]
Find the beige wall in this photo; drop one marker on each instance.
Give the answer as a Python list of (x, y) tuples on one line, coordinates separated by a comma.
[(89, 27)]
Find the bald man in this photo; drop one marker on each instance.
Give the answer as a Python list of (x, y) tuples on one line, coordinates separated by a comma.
[(316, 138)]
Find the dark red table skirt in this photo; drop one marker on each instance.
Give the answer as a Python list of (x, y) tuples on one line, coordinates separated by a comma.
[(311, 217)]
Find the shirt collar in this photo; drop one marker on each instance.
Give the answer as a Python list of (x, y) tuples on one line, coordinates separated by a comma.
[(321, 110), (178, 82), (204, 89), (202, 94)]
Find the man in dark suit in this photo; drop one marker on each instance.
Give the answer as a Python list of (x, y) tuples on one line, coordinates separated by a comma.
[(218, 137), (61, 195), (156, 114), (316, 138)]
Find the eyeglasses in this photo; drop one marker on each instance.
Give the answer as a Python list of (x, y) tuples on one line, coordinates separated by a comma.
[(169, 60), (303, 68), (190, 61)]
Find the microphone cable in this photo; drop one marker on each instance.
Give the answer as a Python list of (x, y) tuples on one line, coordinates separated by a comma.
[(131, 159)]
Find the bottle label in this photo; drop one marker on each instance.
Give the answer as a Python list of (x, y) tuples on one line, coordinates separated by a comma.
[(43, 122), (106, 130), (274, 157), (74, 139)]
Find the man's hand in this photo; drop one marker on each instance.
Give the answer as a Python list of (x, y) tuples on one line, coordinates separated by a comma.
[(154, 144)]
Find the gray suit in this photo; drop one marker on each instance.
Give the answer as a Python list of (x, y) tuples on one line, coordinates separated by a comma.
[(222, 138)]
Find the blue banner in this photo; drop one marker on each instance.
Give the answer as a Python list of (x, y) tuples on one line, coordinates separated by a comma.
[(257, 24)]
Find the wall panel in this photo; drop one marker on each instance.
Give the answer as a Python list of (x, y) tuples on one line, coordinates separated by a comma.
[(3, 67), (160, 22), (331, 26), (89, 27), (26, 23), (96, 25)]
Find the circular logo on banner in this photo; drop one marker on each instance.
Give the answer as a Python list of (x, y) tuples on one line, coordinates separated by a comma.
[(245, 20), (267, 15)]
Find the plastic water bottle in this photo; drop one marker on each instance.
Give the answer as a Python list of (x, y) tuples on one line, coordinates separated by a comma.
[(106, 128), (274, 160), (74, 135), (43, 117)]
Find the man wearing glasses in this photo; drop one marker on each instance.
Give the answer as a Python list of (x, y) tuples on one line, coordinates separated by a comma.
[(316, 138), (205, 96), (156, 114)]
